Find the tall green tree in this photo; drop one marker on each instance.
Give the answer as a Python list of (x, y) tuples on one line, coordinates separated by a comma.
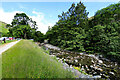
[(22, 26), (69, 31)]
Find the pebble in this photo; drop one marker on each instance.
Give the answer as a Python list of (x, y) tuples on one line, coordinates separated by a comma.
[(100, 61), (100, 69), (112, 73), (91, 66), (76, 60), (81, 53), (95, 67), (97, 76), (92, 61)]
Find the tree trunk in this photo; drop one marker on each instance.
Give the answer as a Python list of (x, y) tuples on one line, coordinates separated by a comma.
[(25, 36)]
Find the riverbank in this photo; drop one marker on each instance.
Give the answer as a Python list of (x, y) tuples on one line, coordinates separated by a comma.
[(95, 65), (27, 60)]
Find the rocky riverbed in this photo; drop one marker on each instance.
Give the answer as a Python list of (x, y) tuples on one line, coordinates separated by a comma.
[(95, 65)]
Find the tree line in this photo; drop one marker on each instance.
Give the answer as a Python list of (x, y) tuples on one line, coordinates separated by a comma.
[(99, 34)]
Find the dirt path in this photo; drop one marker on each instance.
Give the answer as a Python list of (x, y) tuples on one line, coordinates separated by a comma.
[(7, 46)]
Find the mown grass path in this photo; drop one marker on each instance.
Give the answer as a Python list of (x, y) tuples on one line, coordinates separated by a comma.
[(27, 60)]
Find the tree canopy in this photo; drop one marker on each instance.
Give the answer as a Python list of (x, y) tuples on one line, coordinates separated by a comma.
[(71, 25), (99, 34)]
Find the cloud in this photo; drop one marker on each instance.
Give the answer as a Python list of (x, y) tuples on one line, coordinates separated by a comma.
[(7, 16), (42, 23)]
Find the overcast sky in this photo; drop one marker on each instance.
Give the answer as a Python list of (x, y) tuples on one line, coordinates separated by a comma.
[(44, 13)]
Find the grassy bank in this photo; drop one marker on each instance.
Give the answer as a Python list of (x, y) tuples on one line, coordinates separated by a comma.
[(27, 60)]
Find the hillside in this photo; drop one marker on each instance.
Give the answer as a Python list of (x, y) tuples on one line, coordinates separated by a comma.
[(2, 28)]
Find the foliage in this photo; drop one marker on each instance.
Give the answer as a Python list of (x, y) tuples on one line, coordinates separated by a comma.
[(22, 26), (27, 60), (3, 29), (107, 15), (104, 33), (99, 34), (69, 31), (38, 36)]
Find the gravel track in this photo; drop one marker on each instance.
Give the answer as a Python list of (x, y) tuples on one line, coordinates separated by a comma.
[(7, 46)]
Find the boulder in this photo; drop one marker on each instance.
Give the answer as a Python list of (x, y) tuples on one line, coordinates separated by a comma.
[(112, 73), (100, 61), (76, 60), (97, 76)]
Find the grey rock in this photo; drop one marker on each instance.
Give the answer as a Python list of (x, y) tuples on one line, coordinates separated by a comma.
[(100, 61), (112, 73), (76, 61), (81, 53), (97, 76)]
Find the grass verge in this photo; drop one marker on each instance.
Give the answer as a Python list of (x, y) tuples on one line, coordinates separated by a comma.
[(27, 60)]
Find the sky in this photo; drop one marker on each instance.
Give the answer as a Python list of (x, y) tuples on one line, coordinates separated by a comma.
[(44, 13)]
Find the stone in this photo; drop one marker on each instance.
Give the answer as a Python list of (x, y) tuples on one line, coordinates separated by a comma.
[(91, 66), (81, 53), (79, 64), (100, 69), (64, 59), (92, 61), (95, 67), (86, 66), (52, 55), (105, 65), (115, 64), (100, 61), (112, 73), (88, 69), (94, 72), (60, 60), (97, 76), (71, 66), (100, 56), (66, 64), (41, 44), (82, 69), (76, 60), (71, 58), (68, 57), (57, 58)]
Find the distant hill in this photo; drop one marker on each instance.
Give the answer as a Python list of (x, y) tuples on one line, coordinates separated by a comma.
[(3, 29), (91, 18)]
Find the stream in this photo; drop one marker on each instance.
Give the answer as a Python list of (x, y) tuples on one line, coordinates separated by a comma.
[(95, 65)]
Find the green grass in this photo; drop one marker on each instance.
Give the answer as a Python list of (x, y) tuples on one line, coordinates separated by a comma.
[(0, 67), (27, 60), (2, 27), (7, 41)]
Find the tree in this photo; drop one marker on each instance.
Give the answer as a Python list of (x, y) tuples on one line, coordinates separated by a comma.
[(21, 31), (69, 31), (39, 37), (22, 26)]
